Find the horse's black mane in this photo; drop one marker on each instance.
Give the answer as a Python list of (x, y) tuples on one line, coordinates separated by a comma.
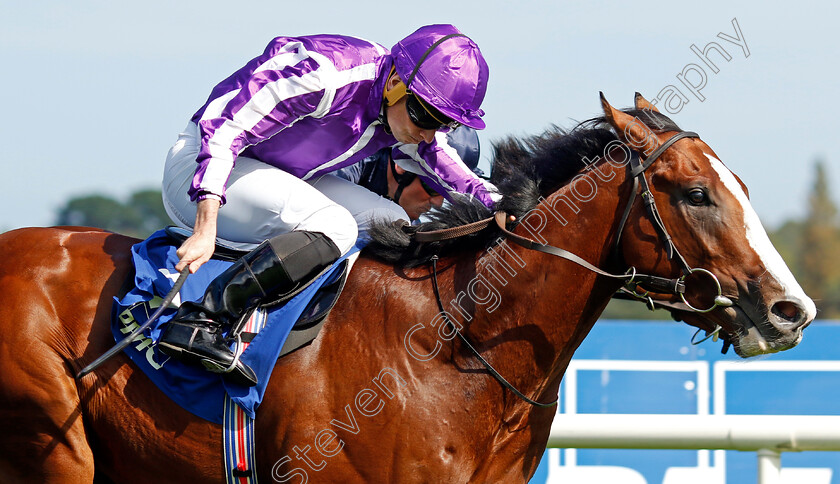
[(523, 170)]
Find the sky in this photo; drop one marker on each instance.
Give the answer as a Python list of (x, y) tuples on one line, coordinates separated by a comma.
[(93, 93)]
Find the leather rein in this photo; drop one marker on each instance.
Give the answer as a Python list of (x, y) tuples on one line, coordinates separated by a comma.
[(651, 283)]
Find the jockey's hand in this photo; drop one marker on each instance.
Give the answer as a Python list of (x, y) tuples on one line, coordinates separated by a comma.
[(199, 247), (195, 251)]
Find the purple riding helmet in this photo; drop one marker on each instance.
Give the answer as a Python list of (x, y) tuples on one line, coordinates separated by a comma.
[(444, 68)]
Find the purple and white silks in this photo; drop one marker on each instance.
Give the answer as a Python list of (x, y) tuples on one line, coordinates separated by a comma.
[(309, 106)]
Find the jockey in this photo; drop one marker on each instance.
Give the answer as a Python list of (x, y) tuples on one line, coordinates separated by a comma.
[(384, 175), (242, 170)]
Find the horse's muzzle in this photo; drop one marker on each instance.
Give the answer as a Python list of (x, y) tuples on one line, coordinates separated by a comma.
[(770, 327)]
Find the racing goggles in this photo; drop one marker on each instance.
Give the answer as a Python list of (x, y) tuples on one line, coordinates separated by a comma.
[(426, 116), (429, 190), (405, 179)]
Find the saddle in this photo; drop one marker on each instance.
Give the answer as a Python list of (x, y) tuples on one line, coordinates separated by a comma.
[(309, 324), (278, 329)]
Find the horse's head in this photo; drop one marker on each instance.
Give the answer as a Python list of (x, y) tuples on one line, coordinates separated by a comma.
[(706, 211)]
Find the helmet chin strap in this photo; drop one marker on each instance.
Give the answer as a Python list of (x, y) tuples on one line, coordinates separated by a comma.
[(403, 180), (393, 95), (390, 97)]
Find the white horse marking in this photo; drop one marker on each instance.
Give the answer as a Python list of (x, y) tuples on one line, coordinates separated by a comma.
[(758, 240)]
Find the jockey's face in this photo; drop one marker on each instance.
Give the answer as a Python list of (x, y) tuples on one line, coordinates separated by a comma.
[(415, 200), (402, 128)]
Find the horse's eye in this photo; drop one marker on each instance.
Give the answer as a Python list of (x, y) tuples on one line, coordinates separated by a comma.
[(697, 196)]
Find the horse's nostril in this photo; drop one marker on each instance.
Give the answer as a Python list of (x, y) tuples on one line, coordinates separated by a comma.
[(788, 311)]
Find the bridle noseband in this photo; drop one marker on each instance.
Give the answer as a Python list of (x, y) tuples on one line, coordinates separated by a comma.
[(651, 283)]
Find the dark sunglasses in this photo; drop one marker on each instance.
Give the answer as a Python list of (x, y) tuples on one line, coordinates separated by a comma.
[(407, 178), (425, 116), (431, 191)]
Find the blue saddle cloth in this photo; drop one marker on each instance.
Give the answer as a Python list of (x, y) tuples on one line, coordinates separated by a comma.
[(194, 388)]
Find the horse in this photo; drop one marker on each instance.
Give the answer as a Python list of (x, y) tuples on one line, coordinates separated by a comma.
[(387, 393)]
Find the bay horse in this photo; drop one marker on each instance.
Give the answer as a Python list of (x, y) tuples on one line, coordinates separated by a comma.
[(385, 393)]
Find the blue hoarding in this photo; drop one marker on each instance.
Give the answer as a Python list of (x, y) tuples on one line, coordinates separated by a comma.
[(641, 367)]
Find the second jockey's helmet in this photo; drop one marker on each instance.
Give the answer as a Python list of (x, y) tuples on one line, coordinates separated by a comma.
[(444, 68)]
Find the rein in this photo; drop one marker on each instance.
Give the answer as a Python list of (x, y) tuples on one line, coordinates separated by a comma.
[(475, 352), (656, 284)]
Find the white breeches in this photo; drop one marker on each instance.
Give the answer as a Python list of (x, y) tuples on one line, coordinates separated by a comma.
[(263, 201), (364, 205)]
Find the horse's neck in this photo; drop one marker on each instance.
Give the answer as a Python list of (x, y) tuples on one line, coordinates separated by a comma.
[(545, 304)]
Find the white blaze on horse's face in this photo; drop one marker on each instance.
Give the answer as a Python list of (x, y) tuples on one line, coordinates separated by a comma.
[(754, 342), (759, 240)]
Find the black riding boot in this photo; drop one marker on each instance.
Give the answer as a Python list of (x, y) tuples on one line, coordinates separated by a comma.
[(275, 271)]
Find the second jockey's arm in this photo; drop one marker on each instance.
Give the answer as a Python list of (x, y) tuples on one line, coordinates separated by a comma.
[(199, 247)]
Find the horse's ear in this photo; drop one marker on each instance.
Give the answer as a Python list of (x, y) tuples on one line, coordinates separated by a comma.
[(631, 130), (642, 103)]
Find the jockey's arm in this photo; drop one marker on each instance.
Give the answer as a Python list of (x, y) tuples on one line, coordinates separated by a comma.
[(230, 134), (445, 170), (199, 247)]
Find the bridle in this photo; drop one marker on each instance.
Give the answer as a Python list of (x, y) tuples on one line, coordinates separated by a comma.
[(638, 169), (631, 278)]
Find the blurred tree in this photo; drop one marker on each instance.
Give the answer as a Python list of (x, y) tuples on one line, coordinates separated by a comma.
[(819, 248), (149, 207), (141, 215), (630, 309), (788, 239)]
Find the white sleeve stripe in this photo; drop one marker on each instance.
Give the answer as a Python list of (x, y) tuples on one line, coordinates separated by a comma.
[(419, 165), (216, 106), (269, 96), (409, 164), (288, 55), (443, 142), (334, 80), (431, 174), (264, 101), (216, 175), (258, 107), (283, 59)]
